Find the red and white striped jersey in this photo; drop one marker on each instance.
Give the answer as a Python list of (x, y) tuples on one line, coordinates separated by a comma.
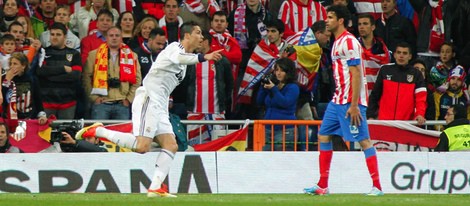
[(76, 6), (206, 100), (298, 16), (347, 51), (373, 7)]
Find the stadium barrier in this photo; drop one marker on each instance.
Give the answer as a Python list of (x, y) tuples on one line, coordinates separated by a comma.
[(234, 172)]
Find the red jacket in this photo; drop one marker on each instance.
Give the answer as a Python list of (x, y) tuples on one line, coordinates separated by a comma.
[(90, 43), (399, 94)]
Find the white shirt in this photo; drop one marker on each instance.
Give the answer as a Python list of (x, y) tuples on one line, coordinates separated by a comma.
[(167, 72)]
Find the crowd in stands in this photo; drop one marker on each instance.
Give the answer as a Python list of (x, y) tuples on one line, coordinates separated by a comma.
[(85, 58)]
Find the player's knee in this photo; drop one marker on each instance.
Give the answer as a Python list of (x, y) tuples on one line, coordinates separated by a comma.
[(141, 148), (170, 146)]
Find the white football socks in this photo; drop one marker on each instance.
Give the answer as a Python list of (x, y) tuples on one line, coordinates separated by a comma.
[(122, 139), (163, 163)]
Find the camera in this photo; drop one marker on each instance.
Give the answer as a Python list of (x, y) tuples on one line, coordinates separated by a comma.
[(290, 50), (26, 41), (267, 77), (114, 83), (70, 127)]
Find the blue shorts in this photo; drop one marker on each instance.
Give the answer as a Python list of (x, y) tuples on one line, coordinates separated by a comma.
[(335, 123)]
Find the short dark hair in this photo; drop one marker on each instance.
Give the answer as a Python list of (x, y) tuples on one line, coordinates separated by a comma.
[(288, 66), (276, 23), (207, 36), (341, 12), (15, 23), (319, 26), (157, 31), (450, 44), (404, 44), (367, 16), (59, 26), (105, 12), (219, 13), (187, 28), (460, 111), (178, 2), (7, 37)]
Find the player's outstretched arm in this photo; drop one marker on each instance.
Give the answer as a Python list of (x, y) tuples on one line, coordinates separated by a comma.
[(216, 55)]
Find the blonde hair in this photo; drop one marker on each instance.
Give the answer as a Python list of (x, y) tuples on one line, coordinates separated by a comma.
[(29, 27), (20, 56), (139, 26), (106, 5)]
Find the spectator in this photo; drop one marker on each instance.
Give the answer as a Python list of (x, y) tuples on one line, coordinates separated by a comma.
[(440, 72), (171, 22), (43, 17), (127, 24), (420, 65), (10, 12), (460, 27), (93, 41), (375, 52), (221, 39), (280, 101), (5, 146), (62, 15), (142, 31), (23, 99), (8, 46), (199, 11), (399, 92), (116, 65), (89, 144), (247, 25), (394, 28), (300, 14), (59, 75), (455, 136), (208, 94), (85, 21), (27, 26), (435, 20), (28, 46), (456, 93), (149, 50)]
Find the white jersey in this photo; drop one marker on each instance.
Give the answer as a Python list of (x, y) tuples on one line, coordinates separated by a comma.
[(168, 70)]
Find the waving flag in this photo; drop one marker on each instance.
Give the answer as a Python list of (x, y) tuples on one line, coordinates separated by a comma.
[(260, 63), (235, 141), (401, 136), (308, 53)]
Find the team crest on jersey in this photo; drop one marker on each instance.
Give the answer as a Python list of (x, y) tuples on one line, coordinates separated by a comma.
[(389, 77), (213, 67), (144, 60), (409, 78), (69, 57)]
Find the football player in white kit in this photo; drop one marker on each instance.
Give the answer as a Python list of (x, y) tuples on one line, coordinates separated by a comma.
[(150, 117)]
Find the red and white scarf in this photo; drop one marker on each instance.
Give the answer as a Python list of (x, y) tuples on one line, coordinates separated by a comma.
[(437, 37), (240, 32), (222, 38), (127, 72), (196, 6)]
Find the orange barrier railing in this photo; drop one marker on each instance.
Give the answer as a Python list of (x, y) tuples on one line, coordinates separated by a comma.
[(259, 130)]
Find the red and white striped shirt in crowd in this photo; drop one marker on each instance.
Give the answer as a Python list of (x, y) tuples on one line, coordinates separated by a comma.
[(347, 51), (206, 100), (373, 61), (297, 16), (373, 7), (76, 6)]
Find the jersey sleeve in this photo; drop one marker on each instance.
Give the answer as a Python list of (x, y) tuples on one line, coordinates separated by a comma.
[(352, 52)]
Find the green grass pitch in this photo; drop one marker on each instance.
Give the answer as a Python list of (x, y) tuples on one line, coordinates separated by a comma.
[(105, 199)]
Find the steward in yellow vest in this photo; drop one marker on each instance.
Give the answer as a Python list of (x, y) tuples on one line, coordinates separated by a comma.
[(456, 136)]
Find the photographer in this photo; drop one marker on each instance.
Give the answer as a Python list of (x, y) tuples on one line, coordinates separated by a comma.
[(85, 145), (279, 93)]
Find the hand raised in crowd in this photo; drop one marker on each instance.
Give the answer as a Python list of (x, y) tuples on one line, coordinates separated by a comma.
[(421, 120), (35, 43), (216, 55)]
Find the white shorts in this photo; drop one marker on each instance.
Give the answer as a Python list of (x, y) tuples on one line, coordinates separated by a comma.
[(148, 119)]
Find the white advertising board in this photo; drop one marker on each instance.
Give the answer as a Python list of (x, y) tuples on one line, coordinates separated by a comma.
[(234, 172)]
